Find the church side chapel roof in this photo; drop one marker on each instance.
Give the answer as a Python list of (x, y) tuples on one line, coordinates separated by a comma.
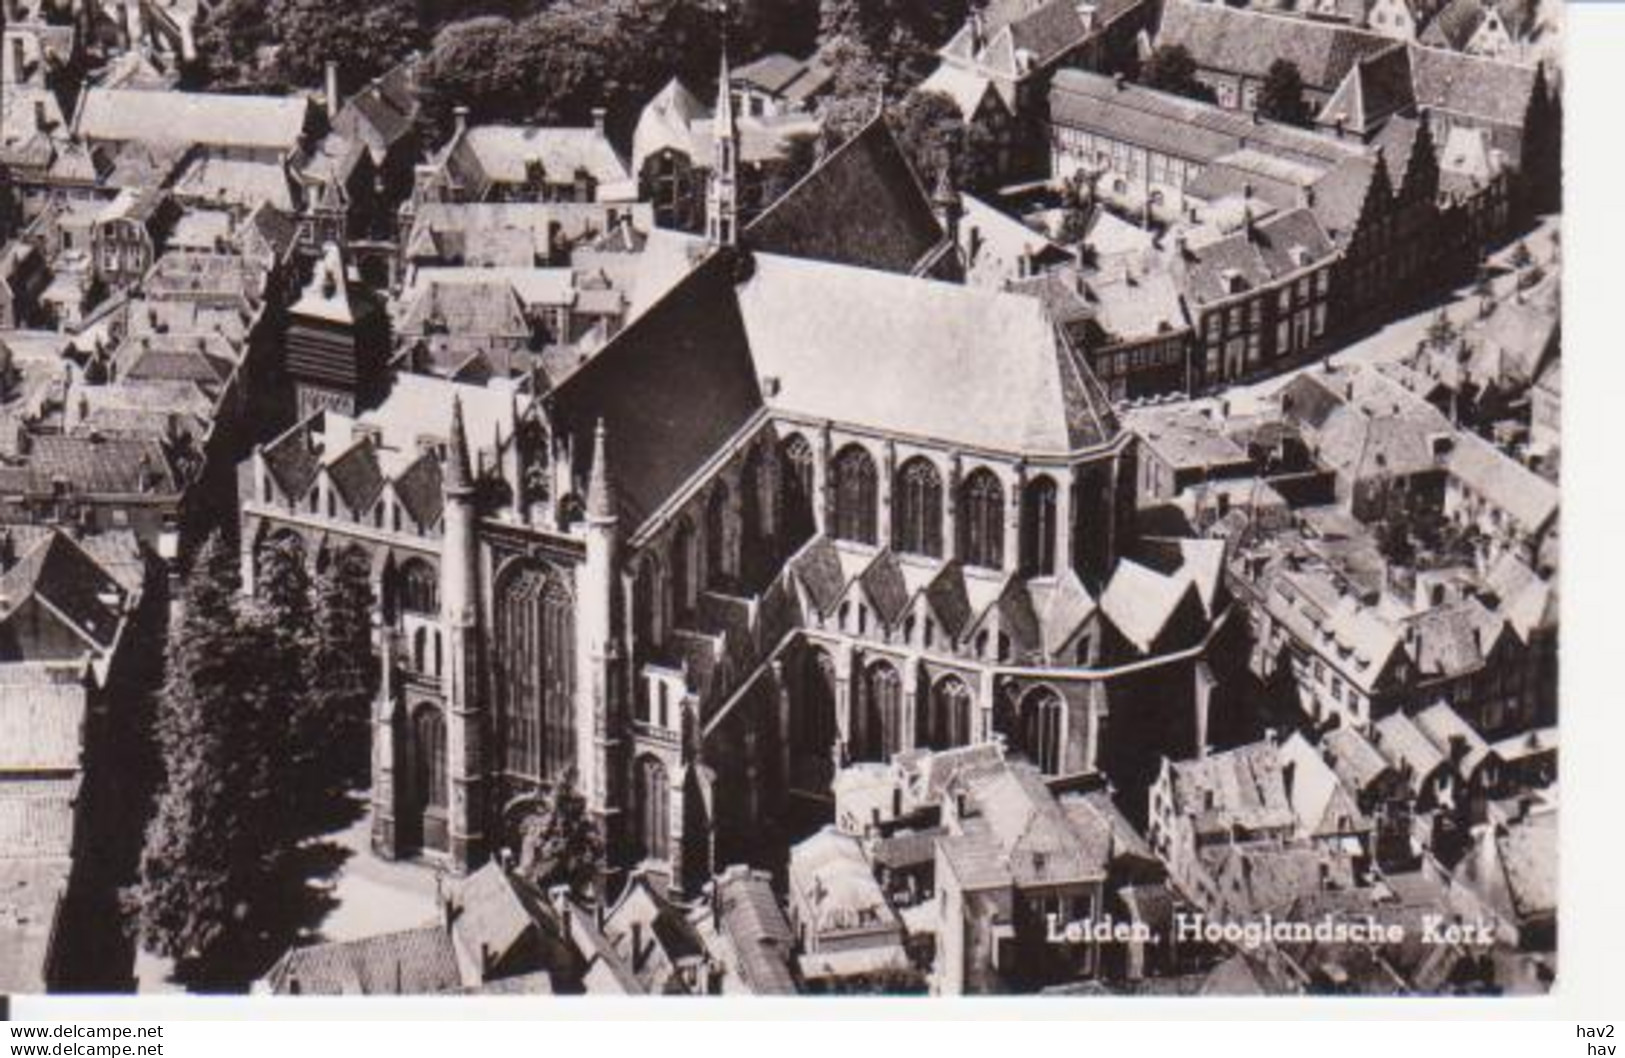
[(862, 205)]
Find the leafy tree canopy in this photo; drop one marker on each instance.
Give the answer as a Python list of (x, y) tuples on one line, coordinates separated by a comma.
[(1172, 69)]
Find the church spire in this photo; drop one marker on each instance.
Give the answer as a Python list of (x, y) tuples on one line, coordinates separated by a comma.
[(600, 486), (459, 475), (722, 198)]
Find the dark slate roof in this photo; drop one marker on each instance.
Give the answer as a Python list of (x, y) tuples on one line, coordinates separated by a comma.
[(358, 477), (1378, 87), (818, 568), (1455, 24), (419, 487), (757, 930), (291, 460), (949, 599), (1257, 258), (1246, 42), (671, 389), (1497, 92), (862, 205), (59, 572), (884, 584), (97, 465), (418, 961)]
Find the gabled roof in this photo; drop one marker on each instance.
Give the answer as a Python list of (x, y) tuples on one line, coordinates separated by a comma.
[(1246, 42), (1377, 88), (420, 490), (1242, 787), (214, 119), (58, 572), (358, 477), (1507, 484), (862, 205), (41, 725), (671, 388), (924, 352), (1141, 603), (419, 961), (1407, 748)]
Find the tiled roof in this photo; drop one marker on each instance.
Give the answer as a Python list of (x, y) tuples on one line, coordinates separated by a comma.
[(1407, 748), (1507, 484), (1241, 787), (118, 115), (1529, 855), (757, 931), (500, 154), (36, 818), (418, 961), (1354, 759), (1445, 728), (1455, 24), (1472, 87), (31, 896), (1140, 602), (861, 205), (41, 726), (1245, 42), (1182, 127)]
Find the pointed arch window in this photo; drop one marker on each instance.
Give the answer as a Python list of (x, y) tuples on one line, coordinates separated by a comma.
[(717, 566), (981, 524), (652, 800), (919, 509), (880, 726), (429, 756), (796, 482), (946, 721), (682, 569), (420, 587), (855, 496), (536, 672), (1039, 735), (1038, 527)]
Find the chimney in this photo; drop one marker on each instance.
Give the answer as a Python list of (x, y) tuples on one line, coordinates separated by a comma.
[(1118, 82), (42, 120), (460, 120), (332, 83), (637, 946), (19, 60), (598, 116)]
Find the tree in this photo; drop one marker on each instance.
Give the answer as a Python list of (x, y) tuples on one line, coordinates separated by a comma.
[(363, 39), (560, 843), (229, 38), (1173, 69), (1281, 97), (341, 672), (190, 888), (900, 37), (281, 722)]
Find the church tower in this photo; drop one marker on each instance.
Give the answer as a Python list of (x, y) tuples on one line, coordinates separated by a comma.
[(598, 703), (722, 195), (459, 609)]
